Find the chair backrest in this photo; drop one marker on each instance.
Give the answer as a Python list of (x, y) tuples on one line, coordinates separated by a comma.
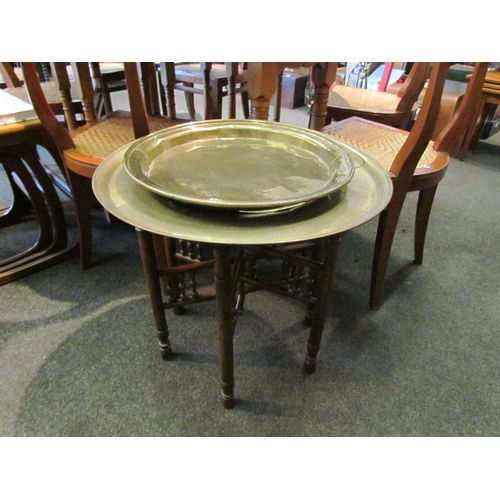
[(42, 108), (405, 162), (449, 139), (413, 85), (58, 132)]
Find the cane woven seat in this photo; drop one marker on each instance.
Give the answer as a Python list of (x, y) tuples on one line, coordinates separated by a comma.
[(368, 100), (380, 142), (99, 140)]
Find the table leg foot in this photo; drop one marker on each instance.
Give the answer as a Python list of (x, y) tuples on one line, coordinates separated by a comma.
[(309, 365), (165, 350), (227, 401)]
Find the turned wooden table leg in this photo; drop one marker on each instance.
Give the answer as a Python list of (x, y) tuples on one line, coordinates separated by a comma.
[(331, 247), (323, 77), (225, 320), (149, 262), (261, 86)]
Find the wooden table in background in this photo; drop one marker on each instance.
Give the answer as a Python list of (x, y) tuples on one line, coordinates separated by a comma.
[(262, 82)]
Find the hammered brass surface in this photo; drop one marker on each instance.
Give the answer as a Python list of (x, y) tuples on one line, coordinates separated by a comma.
[(240, 164)]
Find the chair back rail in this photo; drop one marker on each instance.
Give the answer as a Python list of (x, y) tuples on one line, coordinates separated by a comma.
[(405, 162), (449, 139), (42, 108), (413, 85)]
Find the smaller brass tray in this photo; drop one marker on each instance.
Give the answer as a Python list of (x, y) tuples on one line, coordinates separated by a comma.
[(240, 164)]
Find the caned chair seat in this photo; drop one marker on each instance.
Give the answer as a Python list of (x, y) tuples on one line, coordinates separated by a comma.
[(382, 143), (342, 96), (99, 139)]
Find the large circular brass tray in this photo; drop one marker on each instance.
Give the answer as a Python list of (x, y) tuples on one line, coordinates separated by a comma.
[(359, 201), (240, 164)]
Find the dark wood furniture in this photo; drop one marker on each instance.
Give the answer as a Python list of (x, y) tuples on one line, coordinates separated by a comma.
[(293, 89), (414, 163), (263, 80), (212, 80), (108, 78)]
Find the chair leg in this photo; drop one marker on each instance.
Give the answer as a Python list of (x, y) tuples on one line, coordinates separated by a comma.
[(82, 199), (388, 221), (190, 104), (245, 103), (424, 206), (217, 94)]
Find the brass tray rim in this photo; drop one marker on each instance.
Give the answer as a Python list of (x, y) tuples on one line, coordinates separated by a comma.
[(340, 178)]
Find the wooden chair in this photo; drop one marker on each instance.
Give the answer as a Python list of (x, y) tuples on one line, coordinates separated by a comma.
[(108, 78), (58, 91), (414, 163), (84, 148), (214, 81), (381, 107)]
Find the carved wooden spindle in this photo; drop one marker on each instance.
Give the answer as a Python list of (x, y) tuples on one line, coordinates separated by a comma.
[(206, 67), (182, 287), (81, 69), (194, 285), (323, 76), (62, 80), (167, 75)]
